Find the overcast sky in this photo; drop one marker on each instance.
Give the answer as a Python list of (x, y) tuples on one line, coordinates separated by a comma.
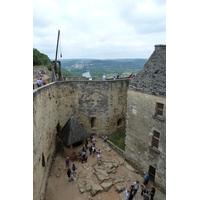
[(99, 29)]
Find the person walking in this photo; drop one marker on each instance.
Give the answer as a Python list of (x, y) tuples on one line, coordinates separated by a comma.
[(131, 192), (93, 150), (136, 186), (74, 168), (127, 194), (143, 188), (146, 195), (152, 192), (90, 149), (146, 178), (67, 163), (68, 173)]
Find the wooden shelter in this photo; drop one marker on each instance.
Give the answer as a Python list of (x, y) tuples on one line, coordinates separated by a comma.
[(72, 134)]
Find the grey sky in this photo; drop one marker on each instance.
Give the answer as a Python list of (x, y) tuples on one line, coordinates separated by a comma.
[(99, 28)]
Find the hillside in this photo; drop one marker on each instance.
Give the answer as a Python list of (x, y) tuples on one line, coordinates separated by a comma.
[(76, 67), (99, 67), (41, 59)]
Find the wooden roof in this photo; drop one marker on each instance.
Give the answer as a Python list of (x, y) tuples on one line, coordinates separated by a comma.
[(72, 132)]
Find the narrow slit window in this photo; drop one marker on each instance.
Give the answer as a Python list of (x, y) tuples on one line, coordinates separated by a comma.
[(43, 160)]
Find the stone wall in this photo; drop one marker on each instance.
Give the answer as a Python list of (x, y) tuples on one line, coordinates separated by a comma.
[(45, 119), (102, 102), (141, 122)]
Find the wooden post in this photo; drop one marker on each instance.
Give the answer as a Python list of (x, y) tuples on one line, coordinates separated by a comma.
[(57, 51)]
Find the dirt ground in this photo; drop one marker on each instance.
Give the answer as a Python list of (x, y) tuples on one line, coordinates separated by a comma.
[(60, 188)]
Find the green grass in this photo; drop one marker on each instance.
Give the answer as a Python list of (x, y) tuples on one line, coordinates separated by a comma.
[(118, 138)]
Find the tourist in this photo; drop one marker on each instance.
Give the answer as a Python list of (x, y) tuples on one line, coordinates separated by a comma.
[(44, 82), (93, 140), (152, 193), (114, 78), (69, 173), (71, 176), (131, 192), (74, 168), (146, 195), (105, 138), (131, 76), (143, 188), (39, 83), (86, 143), (104, 77), (99, 155), (83, 153), (67, 163), (93, 149), (90, 149), (136, 186), (127, 194), (39, 72), (146, 178), (118, 76)]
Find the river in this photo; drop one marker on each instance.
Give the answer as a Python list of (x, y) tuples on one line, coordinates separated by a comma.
[(87, 75)]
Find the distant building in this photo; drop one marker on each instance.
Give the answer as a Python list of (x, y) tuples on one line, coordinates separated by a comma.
[(146, 118)]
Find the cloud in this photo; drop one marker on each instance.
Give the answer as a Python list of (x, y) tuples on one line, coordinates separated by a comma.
[(99, 28)]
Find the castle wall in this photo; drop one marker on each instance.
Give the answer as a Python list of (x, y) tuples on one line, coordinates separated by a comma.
[(104, 101), (45, 119), (141, 123)]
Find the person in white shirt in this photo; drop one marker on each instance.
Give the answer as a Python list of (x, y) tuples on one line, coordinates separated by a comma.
[(136, 186), (127, 194), (99, 158)]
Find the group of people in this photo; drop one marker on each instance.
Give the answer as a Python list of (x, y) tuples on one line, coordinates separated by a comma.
[(70, 173), (131, 192), (41, 82)]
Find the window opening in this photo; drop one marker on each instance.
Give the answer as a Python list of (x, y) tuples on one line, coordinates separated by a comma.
[(93, 122), (152, 173), (43, 160), (159, 110), (155, 139), (119, 122)]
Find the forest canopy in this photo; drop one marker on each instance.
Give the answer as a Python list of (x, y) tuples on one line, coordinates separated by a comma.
[(41, 59)]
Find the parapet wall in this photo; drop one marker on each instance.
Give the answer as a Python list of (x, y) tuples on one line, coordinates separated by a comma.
[(100, 106)]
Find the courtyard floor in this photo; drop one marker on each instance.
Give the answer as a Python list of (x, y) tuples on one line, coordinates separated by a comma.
[(93, 182)]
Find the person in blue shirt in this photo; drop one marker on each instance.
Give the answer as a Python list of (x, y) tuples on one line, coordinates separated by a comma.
[(39, 82), (146, 178)]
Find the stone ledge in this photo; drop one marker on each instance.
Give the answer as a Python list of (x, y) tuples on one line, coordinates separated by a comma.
[(161, 119)]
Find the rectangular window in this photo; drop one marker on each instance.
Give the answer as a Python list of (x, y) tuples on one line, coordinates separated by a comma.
[(155, 139), (159, 109)]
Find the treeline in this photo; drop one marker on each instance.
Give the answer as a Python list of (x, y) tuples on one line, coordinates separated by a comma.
[(41, 59)]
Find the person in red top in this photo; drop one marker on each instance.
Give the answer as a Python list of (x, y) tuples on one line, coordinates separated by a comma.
[(131, 76), (44, 82)]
